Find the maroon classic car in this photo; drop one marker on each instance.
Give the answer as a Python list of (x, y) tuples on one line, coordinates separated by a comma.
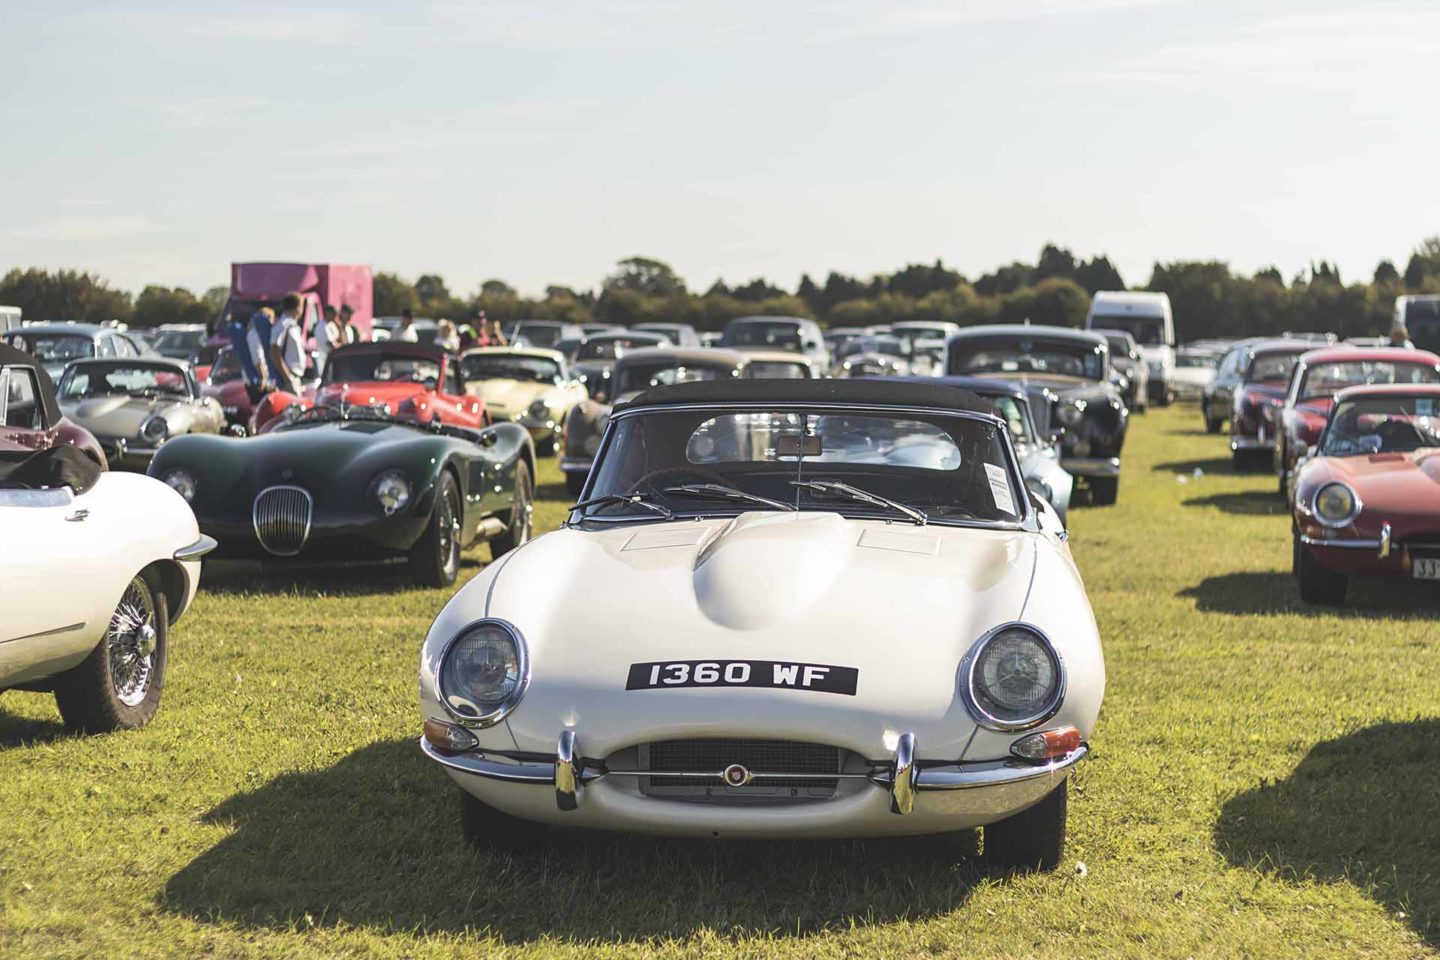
[(1258, 398), (1320, 374), (1367, 503), (29, 416)]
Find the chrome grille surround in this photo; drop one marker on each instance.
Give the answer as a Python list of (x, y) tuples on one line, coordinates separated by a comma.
[(699, 765), (281, 517)]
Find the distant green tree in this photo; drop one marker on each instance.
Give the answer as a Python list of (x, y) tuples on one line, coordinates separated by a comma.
[(1006, 279), (757, 290), (808, 291), (215, 298), (1423, 270), (433, 293), (918, 280), (157, 305), (839, 288), (1054, 262), (497, 288), (646, 276), (1270, 275), (392, 294), (64, 295), (1385, 274), (1097, 274), (719, 288)]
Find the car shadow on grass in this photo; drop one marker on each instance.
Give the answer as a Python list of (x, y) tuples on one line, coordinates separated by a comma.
[(1251, 503), (375, 841), (16, 731), (251, 578), (554, 493), (1361, 809), (1272, 592), (1206, 465)]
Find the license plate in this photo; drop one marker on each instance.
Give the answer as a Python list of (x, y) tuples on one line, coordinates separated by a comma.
[(1426, 568), (783, 674)]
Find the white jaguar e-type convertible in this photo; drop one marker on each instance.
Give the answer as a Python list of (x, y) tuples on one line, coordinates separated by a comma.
[(783, 608), (94, 568)]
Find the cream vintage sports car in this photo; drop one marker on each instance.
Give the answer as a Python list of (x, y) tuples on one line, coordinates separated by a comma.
[(528, 385), (811, 608), (101, 566)]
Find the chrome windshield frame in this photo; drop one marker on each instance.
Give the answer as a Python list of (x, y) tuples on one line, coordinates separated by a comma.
[(1029, 519)]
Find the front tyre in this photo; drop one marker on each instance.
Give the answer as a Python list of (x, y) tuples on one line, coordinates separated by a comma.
[(520, 524), (484, 826), (435, 558), (1104, 491), (1317, 585), (118, 686), (1033, 839)]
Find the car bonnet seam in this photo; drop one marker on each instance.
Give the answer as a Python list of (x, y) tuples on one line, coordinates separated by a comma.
[(1030, 587), (490, 592)]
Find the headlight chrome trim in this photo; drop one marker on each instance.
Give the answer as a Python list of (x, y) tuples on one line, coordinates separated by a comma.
[(967, 681), (1326, 521), (159, 438), (522, 655)]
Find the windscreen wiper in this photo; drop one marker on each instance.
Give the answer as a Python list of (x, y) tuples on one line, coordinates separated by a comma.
[(835, 488), (638, 499), (718, 491)]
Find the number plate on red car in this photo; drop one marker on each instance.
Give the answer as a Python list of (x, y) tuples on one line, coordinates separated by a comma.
[(819, 677), (1426, 568)]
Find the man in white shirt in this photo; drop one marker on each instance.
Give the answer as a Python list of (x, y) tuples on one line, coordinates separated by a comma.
[(287, 346), (407, 330)]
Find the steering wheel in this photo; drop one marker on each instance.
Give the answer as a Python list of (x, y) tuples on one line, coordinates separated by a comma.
[(667, 473)]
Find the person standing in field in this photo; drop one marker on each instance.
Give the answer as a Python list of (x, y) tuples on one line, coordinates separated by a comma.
[(349, 332), (1400, 336), (445, 336), (334, 335), (287, 347), (407, 330), (257, 346)]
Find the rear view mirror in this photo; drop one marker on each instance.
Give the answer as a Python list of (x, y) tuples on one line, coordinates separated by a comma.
[(795, 445)]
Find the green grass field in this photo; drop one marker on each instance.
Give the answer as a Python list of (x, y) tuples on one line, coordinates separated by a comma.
[(1265, 782)]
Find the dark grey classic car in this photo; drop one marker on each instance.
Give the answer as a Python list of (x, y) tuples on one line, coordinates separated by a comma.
[(1066, 374), (133, 406), (56, 344)]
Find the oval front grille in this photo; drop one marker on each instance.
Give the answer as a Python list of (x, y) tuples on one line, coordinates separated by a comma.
[(282, 519)]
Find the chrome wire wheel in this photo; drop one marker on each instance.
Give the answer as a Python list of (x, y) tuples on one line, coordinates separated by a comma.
[(448, 528), (131, 642)]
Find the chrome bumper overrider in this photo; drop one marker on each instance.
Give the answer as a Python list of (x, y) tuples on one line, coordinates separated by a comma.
[(196, 550), (1249, 443), (1092, 466), (576, 464), (1380, 546), (903, 776)]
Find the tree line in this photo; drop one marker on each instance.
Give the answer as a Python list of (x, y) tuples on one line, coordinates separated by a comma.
[(1209, 298)]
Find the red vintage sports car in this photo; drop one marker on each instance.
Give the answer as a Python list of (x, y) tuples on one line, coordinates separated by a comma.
[(30, 418), (408, 380), (1320, 374), (1367, 503), (1258, 398)]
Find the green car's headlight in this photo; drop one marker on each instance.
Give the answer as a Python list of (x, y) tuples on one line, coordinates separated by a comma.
[(483, 672), (1070, 412), (1012, 679), (182, 482), (391, 492)]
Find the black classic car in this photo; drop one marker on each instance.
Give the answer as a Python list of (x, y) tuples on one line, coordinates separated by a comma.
[(595, 357), (355, 483), (1068, 378)]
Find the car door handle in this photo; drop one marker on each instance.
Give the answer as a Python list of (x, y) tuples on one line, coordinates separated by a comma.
[(77, 516)]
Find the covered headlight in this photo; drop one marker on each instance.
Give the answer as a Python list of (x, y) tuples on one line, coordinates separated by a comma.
[(1012, 679), (154, 430), (1336, 504), (1070, 412), (483, 672), (539, 410), (182, 483), (391, 492)]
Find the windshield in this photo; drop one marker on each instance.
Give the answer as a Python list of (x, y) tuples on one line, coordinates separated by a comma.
[(1324, 379), (954, 468), (178, 343), (634, 376), (1119, 347), (1013, 412), (226, 367), (776, 370), (378, 367), (1148, 331), (890, 346), (539, 334), (1196, 360), (1271, 366), (509, 366), (1383, 425), (105, 379), (1054, 359), (779, 335), (53, 347), (610, 348), (1422, 319)]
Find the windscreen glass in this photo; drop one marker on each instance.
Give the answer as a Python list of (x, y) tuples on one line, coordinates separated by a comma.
[(1371, 425), (109, 379), (1323, 379), (778, 335), (52, 347), (378, 367), (1023, 356), (1271, 366), (1148, 331), (509, 366)]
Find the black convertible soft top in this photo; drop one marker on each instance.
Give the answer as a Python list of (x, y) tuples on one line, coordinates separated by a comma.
[(58, 466), (10, 357), (862, 390)]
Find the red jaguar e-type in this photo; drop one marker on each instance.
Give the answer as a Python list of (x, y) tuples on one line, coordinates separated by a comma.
[(1259, 396), (1320, 374), (406, 379), (1367, 503)]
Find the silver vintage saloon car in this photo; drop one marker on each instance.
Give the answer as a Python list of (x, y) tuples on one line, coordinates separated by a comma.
[(814, 608)]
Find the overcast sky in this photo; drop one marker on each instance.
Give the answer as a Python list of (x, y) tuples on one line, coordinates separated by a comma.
[(539, 141)]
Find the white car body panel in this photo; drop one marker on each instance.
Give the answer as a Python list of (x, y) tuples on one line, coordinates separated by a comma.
[(901, 603), (67, 559)]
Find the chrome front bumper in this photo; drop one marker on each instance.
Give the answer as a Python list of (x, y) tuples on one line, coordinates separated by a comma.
[(902, 777), (1092, 466), (1381, 546), (1250, 443)]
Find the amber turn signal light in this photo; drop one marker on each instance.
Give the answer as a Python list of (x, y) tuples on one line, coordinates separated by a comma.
[(449, 737), (1047, 744)]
